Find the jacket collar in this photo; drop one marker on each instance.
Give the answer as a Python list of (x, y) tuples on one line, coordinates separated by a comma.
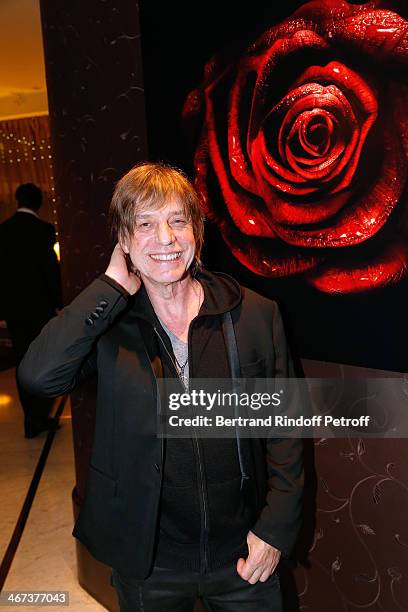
[(221, 294), (22, 209)]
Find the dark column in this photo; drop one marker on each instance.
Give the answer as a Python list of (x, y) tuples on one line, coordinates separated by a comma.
[(96, 100)]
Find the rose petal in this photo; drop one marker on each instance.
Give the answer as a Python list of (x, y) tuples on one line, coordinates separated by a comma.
[(382, 35), (388, 267), (292, 46), (359, 92), (246, 211), (243, 126), (305, 126), (365, 103), (398, 93), (267, 257), (295, 213), (368, 214), (320, 168), (238, 119), (285, 179), (308, 17), (329, 102)]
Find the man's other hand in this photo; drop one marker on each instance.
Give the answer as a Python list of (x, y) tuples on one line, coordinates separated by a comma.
[(261, 562)]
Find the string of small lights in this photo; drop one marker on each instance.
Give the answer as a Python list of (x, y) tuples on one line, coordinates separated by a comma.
[(27, 158)]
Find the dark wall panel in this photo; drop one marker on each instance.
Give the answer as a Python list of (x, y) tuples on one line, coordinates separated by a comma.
[(96, 100), (95, 88)]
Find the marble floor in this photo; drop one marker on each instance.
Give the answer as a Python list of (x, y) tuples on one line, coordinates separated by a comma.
[(45, 558)]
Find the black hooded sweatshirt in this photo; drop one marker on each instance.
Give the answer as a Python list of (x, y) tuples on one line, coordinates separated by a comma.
[(204, 520)]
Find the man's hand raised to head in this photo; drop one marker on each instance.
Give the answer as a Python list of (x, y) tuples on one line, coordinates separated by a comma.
[(118, 271), (261, 562)]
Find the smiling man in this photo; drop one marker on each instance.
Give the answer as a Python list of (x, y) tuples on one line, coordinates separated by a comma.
[(176, 519)]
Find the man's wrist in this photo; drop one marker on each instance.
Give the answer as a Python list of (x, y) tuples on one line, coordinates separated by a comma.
[(114, 283)]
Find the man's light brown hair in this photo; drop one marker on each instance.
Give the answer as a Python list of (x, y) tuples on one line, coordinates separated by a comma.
[(150, 186)]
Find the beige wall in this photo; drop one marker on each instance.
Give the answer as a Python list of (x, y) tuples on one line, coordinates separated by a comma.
[(22, 74)]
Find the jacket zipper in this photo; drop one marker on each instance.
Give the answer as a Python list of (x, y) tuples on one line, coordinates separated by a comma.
[(204, 532), (201, 484), (201, 476)]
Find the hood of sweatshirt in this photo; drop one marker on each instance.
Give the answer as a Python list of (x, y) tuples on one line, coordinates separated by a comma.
[(222, 293)]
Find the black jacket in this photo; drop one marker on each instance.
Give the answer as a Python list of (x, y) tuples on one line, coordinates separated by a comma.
[(100, 331), (203, 518), (28, 268)]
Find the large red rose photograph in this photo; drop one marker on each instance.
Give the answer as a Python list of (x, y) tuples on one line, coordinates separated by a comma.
[(302, 154), (292, 120)]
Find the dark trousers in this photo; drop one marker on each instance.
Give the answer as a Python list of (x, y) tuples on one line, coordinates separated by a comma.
[(222, 590), (22, 332)]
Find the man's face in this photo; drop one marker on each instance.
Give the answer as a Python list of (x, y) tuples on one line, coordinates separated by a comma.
[(162, 246)]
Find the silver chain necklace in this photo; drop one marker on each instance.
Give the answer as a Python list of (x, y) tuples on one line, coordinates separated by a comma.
[(180, 368), (177, 366)]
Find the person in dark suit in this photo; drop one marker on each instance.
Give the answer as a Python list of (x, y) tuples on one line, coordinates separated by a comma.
[(31, 289)]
